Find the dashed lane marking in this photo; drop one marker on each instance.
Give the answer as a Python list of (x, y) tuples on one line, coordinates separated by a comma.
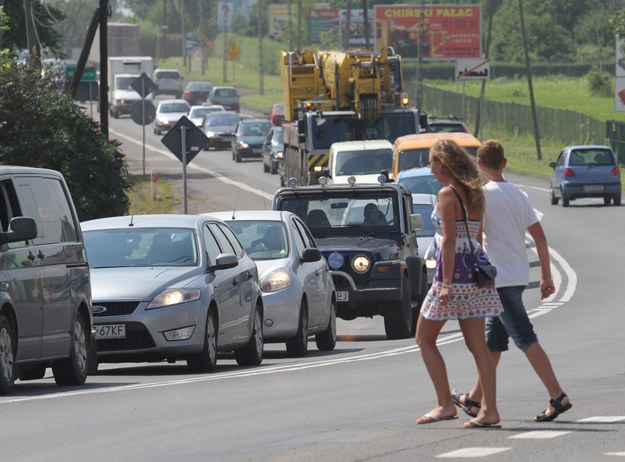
[(539, 435), (603, 419), (472, 452)]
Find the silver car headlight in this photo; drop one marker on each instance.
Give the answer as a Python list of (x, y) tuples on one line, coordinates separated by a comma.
[(275, 281), (279, 155), (244, 145), (170, 297), (361, 264), (210, 134), (163, 121), (430, 263)]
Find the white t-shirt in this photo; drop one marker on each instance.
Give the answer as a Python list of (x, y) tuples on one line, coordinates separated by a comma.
[(507, 216)]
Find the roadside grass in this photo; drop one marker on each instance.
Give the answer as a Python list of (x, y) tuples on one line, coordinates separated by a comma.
[(147, 200), (558, 92)]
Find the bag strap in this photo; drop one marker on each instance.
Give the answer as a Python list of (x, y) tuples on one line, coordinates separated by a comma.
[(464, 216)]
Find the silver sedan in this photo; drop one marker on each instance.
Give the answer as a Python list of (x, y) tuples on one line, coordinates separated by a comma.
[(298, 292), (173, 287)]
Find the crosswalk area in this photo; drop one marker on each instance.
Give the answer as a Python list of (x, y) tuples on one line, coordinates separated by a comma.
[(540, 434)]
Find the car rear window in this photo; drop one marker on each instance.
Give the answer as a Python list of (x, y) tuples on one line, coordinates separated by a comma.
[(168, 75), (591, 157)]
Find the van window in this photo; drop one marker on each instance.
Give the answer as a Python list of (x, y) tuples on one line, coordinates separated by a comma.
[(9, 206), (44, 200)]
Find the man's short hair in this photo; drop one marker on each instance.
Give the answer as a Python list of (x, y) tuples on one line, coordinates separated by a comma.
[(491, 154)]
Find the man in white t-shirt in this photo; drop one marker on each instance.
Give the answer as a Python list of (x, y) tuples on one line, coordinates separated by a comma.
[(507, 217)]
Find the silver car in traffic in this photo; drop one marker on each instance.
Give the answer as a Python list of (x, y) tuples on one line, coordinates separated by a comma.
[(173, 287), (298, 292)]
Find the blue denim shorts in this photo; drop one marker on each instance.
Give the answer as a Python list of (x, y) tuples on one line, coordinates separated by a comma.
[(512, 322)]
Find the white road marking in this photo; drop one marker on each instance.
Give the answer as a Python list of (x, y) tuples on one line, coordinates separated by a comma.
[(473, 452), (539, 434), (619, 454), (603, 419)]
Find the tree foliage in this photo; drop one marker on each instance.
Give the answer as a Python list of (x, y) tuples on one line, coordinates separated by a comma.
[(42, 127)]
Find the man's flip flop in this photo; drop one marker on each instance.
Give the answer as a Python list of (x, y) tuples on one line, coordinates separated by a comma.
[(476, 424), (463, 402), (428, 419), (558, 408)]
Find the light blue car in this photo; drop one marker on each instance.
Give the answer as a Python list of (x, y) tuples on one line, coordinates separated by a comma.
[(419, 181), (585, 171)]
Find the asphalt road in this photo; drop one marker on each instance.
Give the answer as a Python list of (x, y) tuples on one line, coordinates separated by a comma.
[(359, 402)]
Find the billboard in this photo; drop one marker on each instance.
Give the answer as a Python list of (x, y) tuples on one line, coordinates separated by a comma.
[(279, 19), (444, 31)]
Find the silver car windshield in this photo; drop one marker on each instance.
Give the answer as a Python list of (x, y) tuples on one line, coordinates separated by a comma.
[(139, 247)]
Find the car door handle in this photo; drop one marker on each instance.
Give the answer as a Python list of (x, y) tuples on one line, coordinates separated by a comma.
[(235, 282)]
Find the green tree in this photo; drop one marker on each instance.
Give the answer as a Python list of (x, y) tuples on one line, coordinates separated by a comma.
[(42, 127), (45, 17)]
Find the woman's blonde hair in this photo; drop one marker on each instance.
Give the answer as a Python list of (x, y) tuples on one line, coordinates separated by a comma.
[(463, 168)]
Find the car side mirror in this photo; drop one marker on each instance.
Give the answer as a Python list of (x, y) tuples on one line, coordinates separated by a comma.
[(224, 261), (552, 164), (416, 221), (20, 229), (310, 255)]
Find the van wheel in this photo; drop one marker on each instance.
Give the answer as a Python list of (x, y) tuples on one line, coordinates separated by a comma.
[(73, 369), (616, 200), (298, 345), (8, 368), (607, 200), (206, 360), (252, 353), (398, 319)]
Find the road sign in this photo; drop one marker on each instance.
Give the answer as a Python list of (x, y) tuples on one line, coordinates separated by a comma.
[(143, 112), (89, 74), (233, 52), (143, 85), (194, 138), (476, 68)]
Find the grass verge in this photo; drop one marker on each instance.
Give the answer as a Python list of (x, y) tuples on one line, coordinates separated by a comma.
[(148, 198)]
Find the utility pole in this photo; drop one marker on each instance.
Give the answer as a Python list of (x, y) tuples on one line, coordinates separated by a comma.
[(420, 37), (299, 25), (104, 60), (34, 50), (365, 12), (261, 70), (225, 9), (528, 69)]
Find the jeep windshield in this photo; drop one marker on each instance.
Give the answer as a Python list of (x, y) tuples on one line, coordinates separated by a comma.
[(342, 213)]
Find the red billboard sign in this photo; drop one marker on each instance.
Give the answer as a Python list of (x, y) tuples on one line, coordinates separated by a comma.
[(445, 31)]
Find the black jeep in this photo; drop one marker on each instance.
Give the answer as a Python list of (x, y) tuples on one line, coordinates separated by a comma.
[(373, 259)]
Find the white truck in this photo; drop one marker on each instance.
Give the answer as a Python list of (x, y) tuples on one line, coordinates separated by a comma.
[(122, 71), (365, 160)]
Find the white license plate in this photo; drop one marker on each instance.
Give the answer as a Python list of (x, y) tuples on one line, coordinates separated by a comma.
[(107, 331), (342, 296), (589, 188)]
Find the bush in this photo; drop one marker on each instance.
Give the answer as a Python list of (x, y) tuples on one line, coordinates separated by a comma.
[(600, 82)]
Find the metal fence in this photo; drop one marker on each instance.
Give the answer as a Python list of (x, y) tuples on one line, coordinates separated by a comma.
[(563, 126)]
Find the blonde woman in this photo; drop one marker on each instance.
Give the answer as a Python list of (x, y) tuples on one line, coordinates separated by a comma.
[(454, 293)]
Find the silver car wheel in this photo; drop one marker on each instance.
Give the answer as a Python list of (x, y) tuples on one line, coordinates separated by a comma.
[(80, 345)]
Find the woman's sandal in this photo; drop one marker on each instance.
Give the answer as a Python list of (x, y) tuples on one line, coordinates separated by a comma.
[(558, 408), (463, 402)]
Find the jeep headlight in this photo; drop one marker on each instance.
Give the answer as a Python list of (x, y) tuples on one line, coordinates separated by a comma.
[(279, 155), (361, 264), (430, 262), (335, 260), (244, 145)]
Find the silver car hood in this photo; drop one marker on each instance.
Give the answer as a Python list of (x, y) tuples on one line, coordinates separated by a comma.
[(137, 283)]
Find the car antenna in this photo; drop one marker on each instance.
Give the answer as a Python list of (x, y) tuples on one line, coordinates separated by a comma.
[(236, 201), (132, 217)]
